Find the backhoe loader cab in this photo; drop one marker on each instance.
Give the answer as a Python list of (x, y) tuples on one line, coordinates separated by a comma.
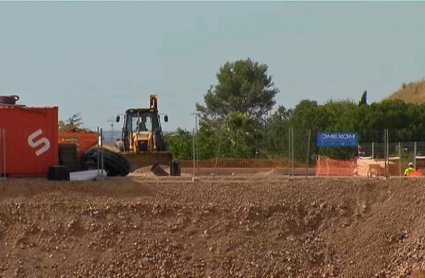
[(142, 139), (142, 132)]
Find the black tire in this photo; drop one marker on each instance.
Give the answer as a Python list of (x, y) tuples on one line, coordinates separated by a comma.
[(114, 163), (68, 157), (93, 154), (109, 165), (67, 150), (119, 157)]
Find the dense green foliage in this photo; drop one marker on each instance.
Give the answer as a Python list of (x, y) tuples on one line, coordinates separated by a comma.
[(236, 120)]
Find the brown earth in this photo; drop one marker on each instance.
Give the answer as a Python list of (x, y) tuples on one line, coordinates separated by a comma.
[(251, 171), (164, 170), (264, 226), (414, 92)]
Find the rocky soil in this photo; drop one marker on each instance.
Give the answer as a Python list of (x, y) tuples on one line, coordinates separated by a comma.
[(217, 228)]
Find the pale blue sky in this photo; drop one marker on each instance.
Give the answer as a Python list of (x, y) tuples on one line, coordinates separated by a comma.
[(100, 58)]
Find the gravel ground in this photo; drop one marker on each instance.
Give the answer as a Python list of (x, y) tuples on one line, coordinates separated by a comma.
[(217, 228)]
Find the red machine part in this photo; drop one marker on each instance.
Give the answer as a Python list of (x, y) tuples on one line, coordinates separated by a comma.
[(84, 141)]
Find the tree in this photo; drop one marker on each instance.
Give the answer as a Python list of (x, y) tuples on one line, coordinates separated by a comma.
[(75, 120), (73, 124), (333, 116), (305, 104), (181, 144), (309, 120), (363, 100), (244, 86), (275, 143), (240, 135), (209, 140)]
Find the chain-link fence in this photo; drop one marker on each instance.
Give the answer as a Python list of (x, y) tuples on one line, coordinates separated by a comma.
[(292, 151)]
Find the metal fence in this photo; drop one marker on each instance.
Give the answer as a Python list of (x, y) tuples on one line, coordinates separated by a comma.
[(294, 151)]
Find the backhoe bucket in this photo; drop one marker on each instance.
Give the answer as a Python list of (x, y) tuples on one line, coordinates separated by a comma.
[(141, 160)]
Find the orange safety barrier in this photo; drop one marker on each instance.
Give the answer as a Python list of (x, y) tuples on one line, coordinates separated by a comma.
[(246, 166), (332, 167), (361, 167), (418, 173)]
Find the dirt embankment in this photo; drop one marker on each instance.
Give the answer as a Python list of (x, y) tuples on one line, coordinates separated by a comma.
[(413, 92), (284, 228)]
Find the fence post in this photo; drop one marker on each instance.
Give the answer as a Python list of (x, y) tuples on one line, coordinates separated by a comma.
[(415, 147), (386, 149), (399, 158), (193, 152), (373, 150), (197, 153), (101, 152), (292, 147), (197, 143), (98, 155), (100, 158), (289, 151), (217, 155), (308, 153), (388, 154)]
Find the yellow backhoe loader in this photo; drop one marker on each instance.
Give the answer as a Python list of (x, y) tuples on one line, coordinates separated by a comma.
[(142, 141)]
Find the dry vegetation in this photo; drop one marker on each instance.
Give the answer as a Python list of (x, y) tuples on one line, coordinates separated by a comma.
[(413, 92), (70, 128), (240, 227)]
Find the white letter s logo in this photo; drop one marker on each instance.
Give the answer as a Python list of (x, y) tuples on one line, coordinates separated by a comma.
[(42, 140)]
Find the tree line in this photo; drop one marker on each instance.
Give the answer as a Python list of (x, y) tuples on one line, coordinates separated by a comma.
[(236, 121)]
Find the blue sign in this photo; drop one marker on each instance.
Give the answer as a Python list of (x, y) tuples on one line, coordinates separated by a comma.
[(337, 139)]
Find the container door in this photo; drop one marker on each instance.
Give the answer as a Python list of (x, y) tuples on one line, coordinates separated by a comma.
[(32, 141)]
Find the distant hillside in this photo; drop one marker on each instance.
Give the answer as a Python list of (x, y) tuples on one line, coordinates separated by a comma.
[(110, 137), (413, 92)]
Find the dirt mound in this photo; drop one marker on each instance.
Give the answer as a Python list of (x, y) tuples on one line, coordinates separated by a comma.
[(418, 274), (269, 173), (154, 170), (413, 92), (70, 128), (285, 228)]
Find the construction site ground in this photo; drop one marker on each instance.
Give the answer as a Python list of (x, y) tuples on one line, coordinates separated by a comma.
[(163, 170), (241, 226), (250, 171)]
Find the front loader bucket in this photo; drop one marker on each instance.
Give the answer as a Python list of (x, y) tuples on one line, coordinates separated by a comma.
[(141, 160), (158, 171)]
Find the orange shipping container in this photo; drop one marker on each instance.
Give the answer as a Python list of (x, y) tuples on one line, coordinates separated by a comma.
[(30, 138)]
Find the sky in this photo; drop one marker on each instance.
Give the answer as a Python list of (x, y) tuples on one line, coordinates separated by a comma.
[(100, 58)]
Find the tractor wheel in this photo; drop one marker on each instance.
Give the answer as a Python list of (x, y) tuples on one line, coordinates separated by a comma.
[(114, 163)]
